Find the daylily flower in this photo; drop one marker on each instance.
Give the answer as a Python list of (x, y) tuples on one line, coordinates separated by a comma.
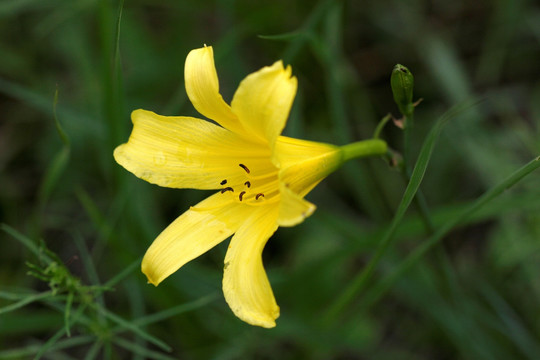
[(261, 177)]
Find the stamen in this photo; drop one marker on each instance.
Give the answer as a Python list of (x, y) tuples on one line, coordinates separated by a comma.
[(241, 195), (223, 182), (258, 196), (248, 184), (244, 167), (227, 189)]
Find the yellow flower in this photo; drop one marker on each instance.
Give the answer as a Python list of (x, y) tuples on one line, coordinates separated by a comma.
[(262, 177)]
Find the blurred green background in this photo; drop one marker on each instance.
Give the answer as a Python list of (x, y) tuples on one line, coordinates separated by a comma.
[(475, 295)]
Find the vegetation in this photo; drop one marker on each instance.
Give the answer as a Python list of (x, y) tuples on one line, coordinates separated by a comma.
[(432, 256)]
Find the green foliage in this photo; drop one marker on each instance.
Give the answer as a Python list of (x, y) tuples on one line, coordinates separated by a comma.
[(434, 257)]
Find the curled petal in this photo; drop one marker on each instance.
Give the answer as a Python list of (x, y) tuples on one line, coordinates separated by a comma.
[(293, 209), (303, 164), (245, 284), (263, 101), (192, 234), (202, 87)]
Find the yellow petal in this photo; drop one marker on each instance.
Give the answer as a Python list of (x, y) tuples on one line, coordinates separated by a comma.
[(245, 284), (263, 101), (202, 87), (193, 233), (293, 209), (303, 164), (182, 152)]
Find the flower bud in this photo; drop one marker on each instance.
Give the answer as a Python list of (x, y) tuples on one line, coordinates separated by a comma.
[(402, 83)]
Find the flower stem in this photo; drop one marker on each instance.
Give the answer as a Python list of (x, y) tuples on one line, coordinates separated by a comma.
[(371, 147)]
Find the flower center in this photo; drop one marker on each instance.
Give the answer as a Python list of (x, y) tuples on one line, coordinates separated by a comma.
[(257, 185)]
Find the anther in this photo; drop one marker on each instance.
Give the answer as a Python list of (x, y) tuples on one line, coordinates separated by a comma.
[(241, 195), (227, 189), (223, 182), (244, 167), (248, 184), (258, 196)]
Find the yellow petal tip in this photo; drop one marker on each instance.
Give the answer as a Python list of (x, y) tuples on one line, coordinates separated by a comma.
[(267, 321), (139, 113), (151, 279)]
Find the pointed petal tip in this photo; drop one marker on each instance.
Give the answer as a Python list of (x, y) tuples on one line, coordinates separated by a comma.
[(151, 280), (267, 321), (204, 53), (204, 49), (309, 211), (294, 209), (288, 71), (117, 153), (202, 87), (285, 70), (149, 276), (278, 64), (246, 287), (139, 113), (263, 101)]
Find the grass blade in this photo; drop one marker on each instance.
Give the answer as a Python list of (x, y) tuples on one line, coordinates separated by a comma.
[(139, 350), (124, 273), (383, 286), (26, 241), (165, 314), (26, 301), (359, 282), (134, 328), (29, 350)]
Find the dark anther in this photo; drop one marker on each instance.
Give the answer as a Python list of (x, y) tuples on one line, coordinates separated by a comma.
[(258, 196), (244, 167), (227, 189), (248, 184), (241, 195), (223, 182)]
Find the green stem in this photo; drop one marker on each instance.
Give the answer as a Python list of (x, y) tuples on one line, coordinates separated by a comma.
[(364, 148), (408, 123), (380, 126)]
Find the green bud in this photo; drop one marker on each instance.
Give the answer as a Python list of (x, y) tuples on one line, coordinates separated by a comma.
[(402, 82)]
